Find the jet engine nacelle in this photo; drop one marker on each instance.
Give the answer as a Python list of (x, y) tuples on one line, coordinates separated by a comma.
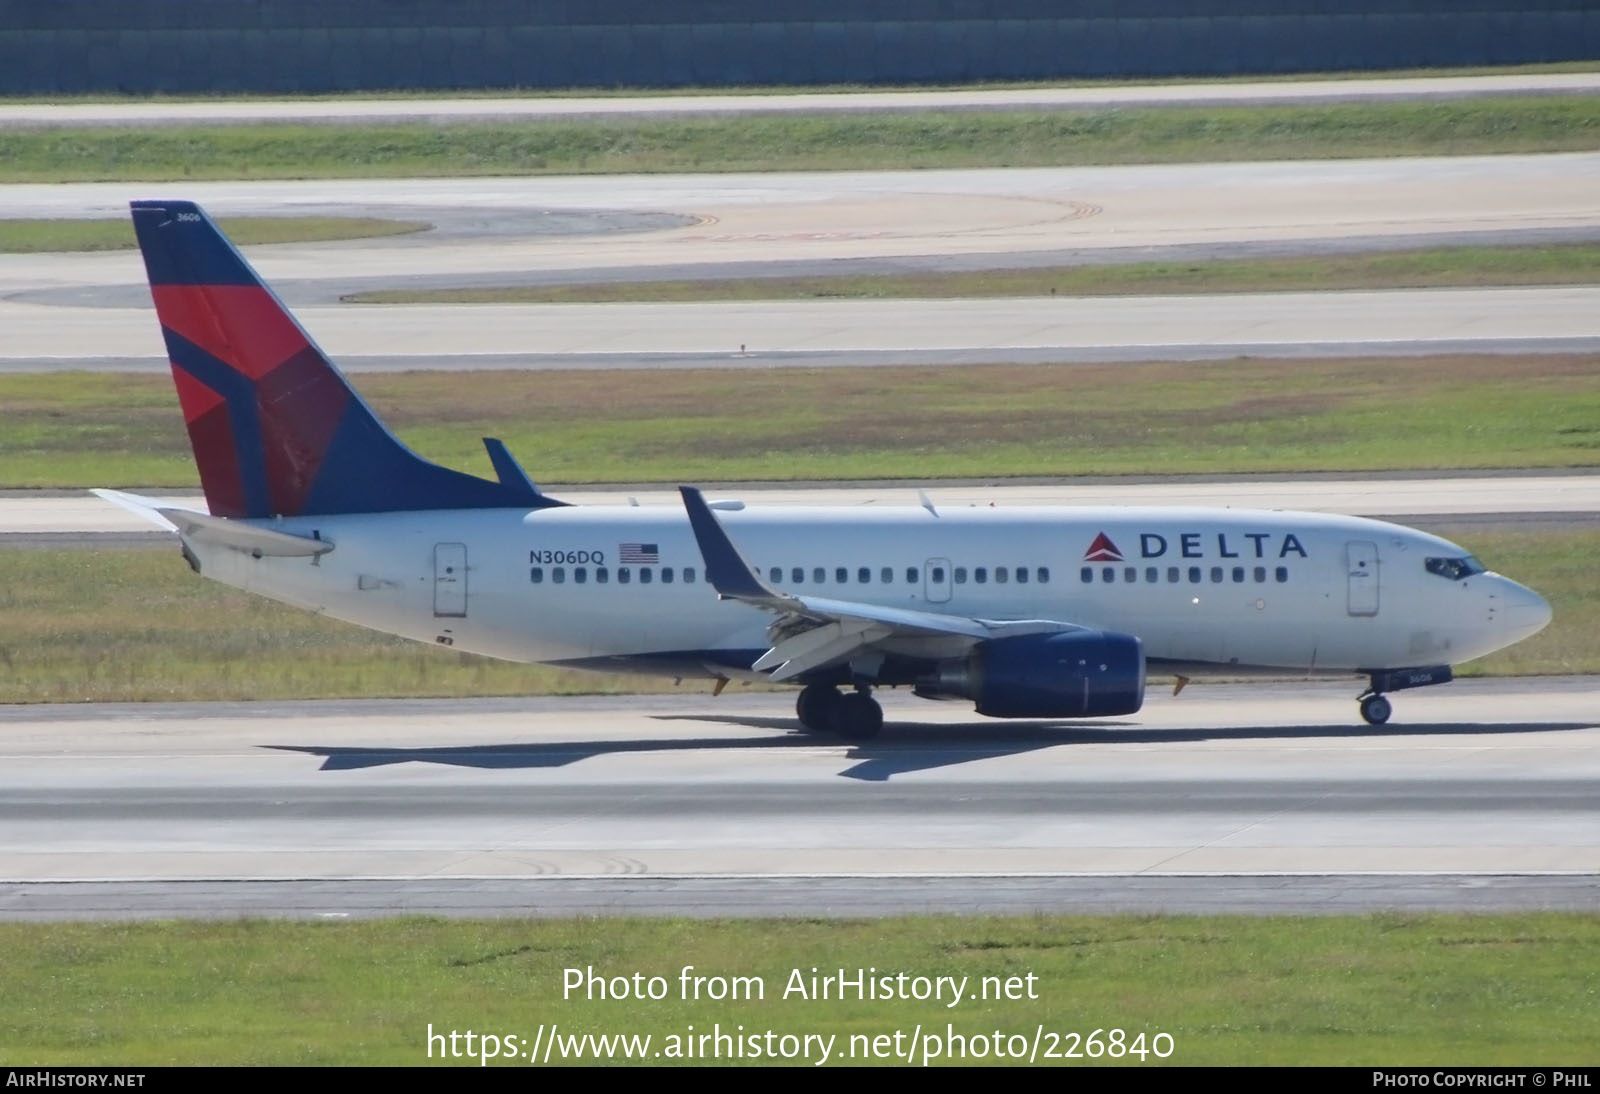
[(1070, 674)]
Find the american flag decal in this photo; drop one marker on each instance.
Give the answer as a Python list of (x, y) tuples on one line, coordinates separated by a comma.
[(638, 554)]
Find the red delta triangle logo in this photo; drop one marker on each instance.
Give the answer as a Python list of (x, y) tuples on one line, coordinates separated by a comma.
[(1102, 550)]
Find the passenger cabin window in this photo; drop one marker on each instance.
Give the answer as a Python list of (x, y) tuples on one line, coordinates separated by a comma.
[(580, 575), (936, 575), (797, 576), (1000, 575), (1044, 575), (688, 575), (1172, 575), (1151, 575), (1238, 575), (888, 575), (666, 575), (841, 575), (558, 575), (864, 575), (1261, 575), (1454, 569), (1022, 575), (981, 575), (961, 575), (775, 575), (1130, 574), (1282, 575), (624, 575), (819, 576), (536, 575), (601, 575), (911, 575), (645, 576), (1194, 575), (1108, 574), (1086, 575)]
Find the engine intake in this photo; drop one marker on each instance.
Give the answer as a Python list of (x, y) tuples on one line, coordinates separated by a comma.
[(1069, 674)]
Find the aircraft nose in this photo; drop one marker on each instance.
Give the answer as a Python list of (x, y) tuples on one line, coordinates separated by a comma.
[(1526, 611)]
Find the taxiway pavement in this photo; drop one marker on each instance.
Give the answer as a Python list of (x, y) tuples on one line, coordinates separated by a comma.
[(76, 310), (1564, 497), (331, 110), (1480, 779)]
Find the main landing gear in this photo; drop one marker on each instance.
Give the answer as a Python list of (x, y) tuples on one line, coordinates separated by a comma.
[(1375, 709), (855, 717)]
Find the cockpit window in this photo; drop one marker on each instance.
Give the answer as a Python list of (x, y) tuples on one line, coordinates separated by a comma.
[(1455, 568)]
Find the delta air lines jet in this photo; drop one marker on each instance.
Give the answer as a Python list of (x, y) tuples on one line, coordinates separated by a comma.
[(1027, 613)]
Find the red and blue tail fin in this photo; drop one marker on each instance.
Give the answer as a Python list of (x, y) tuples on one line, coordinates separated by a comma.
[(276, 429)]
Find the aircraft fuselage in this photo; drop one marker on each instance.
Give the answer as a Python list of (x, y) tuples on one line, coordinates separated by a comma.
[(1201, 588)]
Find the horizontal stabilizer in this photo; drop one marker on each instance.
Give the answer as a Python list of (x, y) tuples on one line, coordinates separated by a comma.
[(261, 542), (147, 508)]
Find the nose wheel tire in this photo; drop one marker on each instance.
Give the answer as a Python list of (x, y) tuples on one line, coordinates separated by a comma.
[(1375, 710)]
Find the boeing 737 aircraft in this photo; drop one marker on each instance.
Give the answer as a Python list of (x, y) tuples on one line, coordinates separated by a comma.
[(1027, 613)]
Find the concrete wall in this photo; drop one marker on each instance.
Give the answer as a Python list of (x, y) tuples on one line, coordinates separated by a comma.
[(76, 46)]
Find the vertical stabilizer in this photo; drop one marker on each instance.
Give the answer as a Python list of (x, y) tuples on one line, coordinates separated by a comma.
[(276, 429)]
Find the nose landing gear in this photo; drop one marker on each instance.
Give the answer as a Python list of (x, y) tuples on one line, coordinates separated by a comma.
[(1375, 709)]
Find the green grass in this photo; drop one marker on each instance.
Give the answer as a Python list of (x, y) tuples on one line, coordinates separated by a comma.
[(116, 234), (112, 625), (90, 429), (1443, 267), (136, 625), (1420, 990), (805, 142)]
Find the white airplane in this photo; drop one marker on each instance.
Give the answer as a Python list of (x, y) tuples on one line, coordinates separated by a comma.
[(1028, 613)]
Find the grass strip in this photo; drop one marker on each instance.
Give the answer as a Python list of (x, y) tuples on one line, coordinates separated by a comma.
[(116, 234), (115, 625), (1441, 267), (95, 429), (1419, 990), (109, 625), (805, 142)]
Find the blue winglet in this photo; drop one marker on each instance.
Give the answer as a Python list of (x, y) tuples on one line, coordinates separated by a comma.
[(729, 573), (513, 477)]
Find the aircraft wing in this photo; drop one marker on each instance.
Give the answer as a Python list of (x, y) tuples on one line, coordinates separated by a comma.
[(814, 632)]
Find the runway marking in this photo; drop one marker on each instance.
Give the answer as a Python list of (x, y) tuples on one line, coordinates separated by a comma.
[(954, 875)]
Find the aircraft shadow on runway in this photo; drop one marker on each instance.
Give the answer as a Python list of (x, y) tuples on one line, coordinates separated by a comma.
[(902, 749)]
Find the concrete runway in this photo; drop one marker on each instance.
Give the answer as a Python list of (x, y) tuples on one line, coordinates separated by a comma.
[(344, 111), (71, 310), (749, 334), (673, 803)]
